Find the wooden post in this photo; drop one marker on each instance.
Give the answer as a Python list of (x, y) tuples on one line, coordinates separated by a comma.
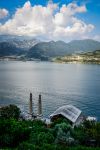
[(39, 106), (30, 105)]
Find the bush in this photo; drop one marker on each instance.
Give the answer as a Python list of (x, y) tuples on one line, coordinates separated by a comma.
[(88, 134), (12, 132), (9, 112), (34, 135), (27, 146)]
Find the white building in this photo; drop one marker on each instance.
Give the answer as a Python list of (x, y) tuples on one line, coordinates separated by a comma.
[(71, 113)]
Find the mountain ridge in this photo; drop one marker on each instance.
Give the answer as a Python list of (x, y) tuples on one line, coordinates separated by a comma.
[(33, 48), (60, 48), (20, 42)]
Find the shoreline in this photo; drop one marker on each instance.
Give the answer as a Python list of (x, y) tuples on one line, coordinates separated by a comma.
[(54, 61), (76, 62)]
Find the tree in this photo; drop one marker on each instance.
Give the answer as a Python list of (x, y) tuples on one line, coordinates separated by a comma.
[(9, 112), (13, 132)]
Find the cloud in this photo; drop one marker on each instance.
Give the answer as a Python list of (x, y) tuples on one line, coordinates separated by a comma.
[(50, 22), (3, 13)]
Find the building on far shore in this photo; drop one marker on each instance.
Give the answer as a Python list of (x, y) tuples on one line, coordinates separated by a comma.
[(71, 113)]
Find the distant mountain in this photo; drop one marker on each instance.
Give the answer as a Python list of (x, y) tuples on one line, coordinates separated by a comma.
[(48, 49), (7, 49), (20, 42), (85, 45), (53, 49), (33, 48)]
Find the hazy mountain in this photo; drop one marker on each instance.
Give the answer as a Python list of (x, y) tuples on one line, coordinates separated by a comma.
[(20, 42), (7, 49), (48, 49), (33, 48), (59, 48), (84, 45)]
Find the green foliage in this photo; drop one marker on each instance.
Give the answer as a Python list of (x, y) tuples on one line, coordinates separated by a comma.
[(82, 148), (59, 121), (12, 132), (40, 134), (63, 134), (34, 135), (88, 133), (27, 146), (10, 111)]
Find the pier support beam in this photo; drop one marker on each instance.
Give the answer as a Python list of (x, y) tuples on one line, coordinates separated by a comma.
[(30, 105), (39, 106)]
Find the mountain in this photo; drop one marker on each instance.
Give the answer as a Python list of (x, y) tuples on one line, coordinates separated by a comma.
[(7, 49), (20, 42), (84, 45), (45, 50), (48, 49), (33, 48)]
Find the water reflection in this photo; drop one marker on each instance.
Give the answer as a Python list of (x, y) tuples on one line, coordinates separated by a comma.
[(59, 84)]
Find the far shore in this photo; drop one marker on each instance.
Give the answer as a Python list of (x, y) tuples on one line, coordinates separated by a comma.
[(55, 60), (77, 62)]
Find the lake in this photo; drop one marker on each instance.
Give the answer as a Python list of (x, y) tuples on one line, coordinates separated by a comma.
[(59, 84)]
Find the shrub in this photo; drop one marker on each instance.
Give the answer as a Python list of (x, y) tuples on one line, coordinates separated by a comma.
[(12, 132), (9, 112)]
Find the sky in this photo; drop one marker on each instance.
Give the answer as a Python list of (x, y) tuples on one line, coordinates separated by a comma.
[(51, 20)]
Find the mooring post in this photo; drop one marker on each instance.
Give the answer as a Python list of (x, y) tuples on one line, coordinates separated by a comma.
[(39, 105), (30, 105)]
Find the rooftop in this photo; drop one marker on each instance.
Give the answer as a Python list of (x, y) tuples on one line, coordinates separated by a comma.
[(68, 111)]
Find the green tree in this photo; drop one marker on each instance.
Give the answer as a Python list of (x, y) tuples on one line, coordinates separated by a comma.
[(10, 111), (12, 132)]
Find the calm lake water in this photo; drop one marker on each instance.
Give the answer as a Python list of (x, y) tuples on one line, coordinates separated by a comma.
[(59, 84)]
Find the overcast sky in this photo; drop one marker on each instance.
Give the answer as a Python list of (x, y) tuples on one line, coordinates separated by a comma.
[(51, 20)]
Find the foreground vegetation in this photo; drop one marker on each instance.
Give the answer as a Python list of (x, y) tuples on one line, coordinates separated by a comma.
[(34, 135)]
